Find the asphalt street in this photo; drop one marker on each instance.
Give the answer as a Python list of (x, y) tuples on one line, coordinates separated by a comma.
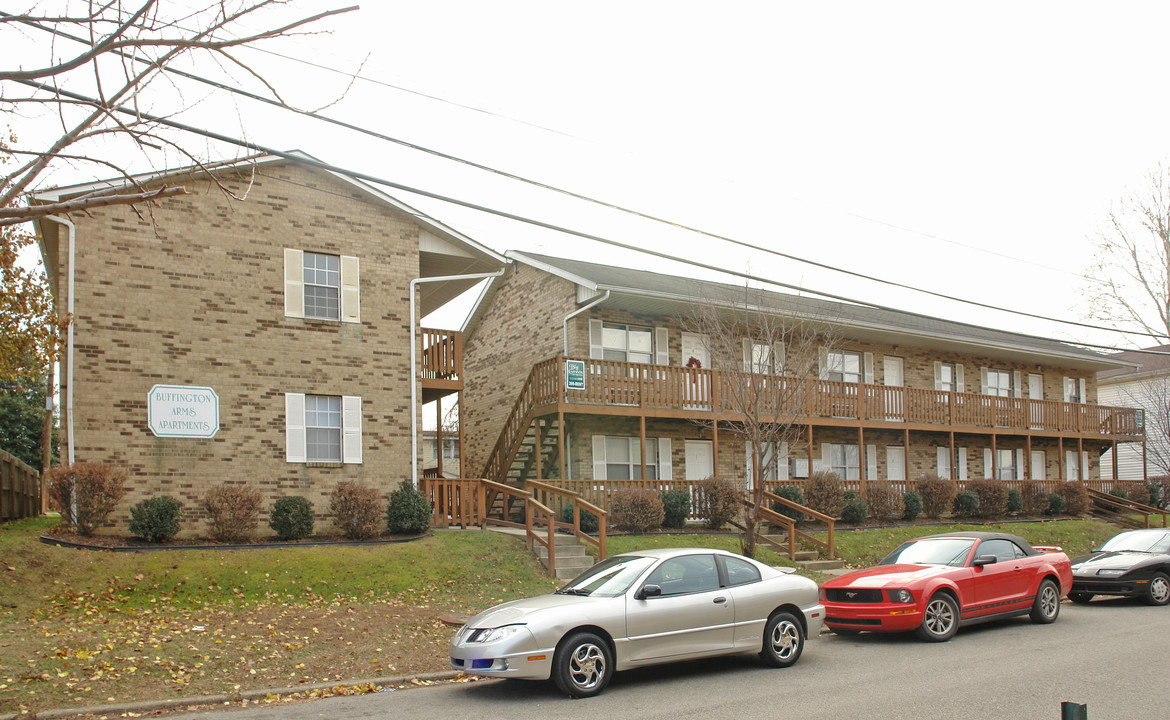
[(1108, 655)]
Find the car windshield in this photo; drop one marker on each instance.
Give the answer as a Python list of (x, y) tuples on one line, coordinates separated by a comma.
[(936, 551), (608, 577), (1140, 542)]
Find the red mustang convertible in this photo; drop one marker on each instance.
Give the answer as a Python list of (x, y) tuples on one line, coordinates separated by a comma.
[(934, 584)]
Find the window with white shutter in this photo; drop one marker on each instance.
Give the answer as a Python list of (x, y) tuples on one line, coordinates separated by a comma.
[(323, 428), (321, 286)]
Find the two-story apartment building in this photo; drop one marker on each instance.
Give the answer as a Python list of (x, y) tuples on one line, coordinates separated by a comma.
[(600, 367), (267, 339)]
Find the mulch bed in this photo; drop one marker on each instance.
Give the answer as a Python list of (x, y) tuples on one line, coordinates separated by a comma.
[(127, 543)]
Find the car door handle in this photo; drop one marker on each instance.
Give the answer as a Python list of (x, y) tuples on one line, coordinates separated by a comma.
[(720, 600)]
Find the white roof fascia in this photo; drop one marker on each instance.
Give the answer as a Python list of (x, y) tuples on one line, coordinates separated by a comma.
[(554, 270)]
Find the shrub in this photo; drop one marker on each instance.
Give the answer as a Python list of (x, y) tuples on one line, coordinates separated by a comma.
[(637, 510), (94, 489), (409, 511), (589, 521), (718, 501), (1076, 498), (356, 509), (855, 511), (938, 495), (885, 501), (966, 504), (232, 511), (1138, 492), (1159, 489), (793, 493), (1119, 493), (993, 497), (912, 501), (1035, 498), (156, 519), (676, 504), (824, 493), (1015, 501), (1055, 504), (291, 518)]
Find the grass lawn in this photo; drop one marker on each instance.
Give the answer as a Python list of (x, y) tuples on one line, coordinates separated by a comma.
[(83, 628)]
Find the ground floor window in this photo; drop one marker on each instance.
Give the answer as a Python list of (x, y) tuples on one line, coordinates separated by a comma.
[(620, 458), (323, 428)]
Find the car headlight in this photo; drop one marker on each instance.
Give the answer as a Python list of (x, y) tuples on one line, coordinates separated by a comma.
[(490, 635), (900, 596), (1110, 572)]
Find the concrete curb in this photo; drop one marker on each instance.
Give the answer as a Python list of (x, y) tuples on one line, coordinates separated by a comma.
[(151, 705)]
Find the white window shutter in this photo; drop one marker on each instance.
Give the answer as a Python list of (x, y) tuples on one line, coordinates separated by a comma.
[(1084, 398), (943, 462), (1020, 464), (294, 427), (596, 351), (746, 343), (1066, 383), (778, 358), (351, 304), (351, 429), (826, 457), (983, 380), (867, 359), (661, 346), (871, 462), (1084, 466), (598, 455), (937, 375), (962, 462), (782, 462), (988, 464), (960, 386), (823, 363), (294, 283), (1017, 387), (665, 463)]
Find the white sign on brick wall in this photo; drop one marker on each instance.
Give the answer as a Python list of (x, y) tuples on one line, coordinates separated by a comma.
[(187, 411)]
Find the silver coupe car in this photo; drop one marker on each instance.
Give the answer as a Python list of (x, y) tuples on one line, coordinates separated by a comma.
[(642, 608)]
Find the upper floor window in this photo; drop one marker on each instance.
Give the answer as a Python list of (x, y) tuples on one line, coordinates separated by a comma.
[(627, 343), (948, 379), (997, 382), (322, 275), (764, 358), (843, 365), (1074, 390), (321, 286)]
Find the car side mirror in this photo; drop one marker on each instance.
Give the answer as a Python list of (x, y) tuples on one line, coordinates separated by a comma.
[(648, 591), (984, 560)]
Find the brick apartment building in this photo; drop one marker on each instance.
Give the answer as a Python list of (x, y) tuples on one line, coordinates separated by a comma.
[(896, 395), (263, 340)]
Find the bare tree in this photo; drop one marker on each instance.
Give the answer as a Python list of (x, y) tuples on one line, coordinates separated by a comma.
[(765, 349), (1130, 276), (1152, 394)]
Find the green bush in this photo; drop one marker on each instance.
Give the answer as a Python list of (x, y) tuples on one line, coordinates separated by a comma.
[(884, 501), (156, 519), (793, 493), (855, 511), (1119, 493), (409, 511), (1055, 504), (92, 489), (636, 510), (1159, 491), (717, 502), (913, 504), (1076, 498), (966, 504), (938, 495), (824, 493), (1015, 501), (676, 504), (357, 510), (589, 521), (993, 497), (291, 518), (232, 511)]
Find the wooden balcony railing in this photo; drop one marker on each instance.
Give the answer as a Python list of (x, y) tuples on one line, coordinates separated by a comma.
[(442, 355)]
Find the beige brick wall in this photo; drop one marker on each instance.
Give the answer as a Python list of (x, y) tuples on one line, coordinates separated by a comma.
[(192, 293)]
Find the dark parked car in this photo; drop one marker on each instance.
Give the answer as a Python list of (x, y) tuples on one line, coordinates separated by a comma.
[(1135, 564)]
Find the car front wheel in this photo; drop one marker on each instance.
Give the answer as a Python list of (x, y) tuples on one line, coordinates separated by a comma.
[(1158, 591), (582, 665), (1047, 604), (941, 620), (783, 640)]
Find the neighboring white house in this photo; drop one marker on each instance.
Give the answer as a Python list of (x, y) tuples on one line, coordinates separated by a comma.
[(1146, 385)]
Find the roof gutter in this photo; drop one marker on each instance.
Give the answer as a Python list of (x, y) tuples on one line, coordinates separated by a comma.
[(69, 337)]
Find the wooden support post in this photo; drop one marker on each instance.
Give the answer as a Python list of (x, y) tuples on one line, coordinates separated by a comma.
[(439, 435), (642, 437), (1060, 459), (561, 431), (862, 460)]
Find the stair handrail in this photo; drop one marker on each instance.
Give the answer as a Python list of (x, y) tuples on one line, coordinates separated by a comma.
[(532, 507), (495, 488), (579, 503), (516, 426), (830, 522), (1119, 503)]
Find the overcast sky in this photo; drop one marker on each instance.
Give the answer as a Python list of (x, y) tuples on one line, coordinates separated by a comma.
[(972, 149)]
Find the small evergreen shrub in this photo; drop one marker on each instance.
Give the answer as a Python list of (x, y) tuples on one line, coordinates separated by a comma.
[(676, 504), (589, 521), (912, 501), (409, 511), (1119, 493), (793, 493), (1076, 498), (356, 509), (966, 504), (232, 511), (1055, 504), (855, 511), (993, 497), (291, 518), (884, 501), (94, 489), (717, 502), (637, 510), (824, 493), (156, 519), (1015, 501), (938, 495)]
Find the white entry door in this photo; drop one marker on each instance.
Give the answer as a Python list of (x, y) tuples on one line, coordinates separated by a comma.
[(697, 385), (1036, 392), (700, 459), (892, 376)]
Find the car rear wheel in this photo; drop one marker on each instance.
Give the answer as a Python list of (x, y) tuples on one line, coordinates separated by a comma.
[(1047, 604), (582, 665), (1080, 597), (1158, 591), (783, 640), (941, 620)]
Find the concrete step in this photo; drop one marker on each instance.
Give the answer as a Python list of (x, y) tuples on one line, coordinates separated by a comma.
[(563, 551), (821, 565), (569, 568), (805, 555)]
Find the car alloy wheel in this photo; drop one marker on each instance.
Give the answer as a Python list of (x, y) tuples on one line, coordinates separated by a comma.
[(582, 665), (1047, 604), (1158, 591), (941, 620), (783, 640)]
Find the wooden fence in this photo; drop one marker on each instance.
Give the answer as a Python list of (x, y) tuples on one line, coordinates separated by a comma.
[(20, 489)]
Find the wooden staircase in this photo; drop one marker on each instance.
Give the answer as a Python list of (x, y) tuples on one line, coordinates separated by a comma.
[(1122, 511)]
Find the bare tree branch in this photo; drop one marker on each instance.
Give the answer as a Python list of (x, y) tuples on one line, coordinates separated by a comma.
[(16, 215)]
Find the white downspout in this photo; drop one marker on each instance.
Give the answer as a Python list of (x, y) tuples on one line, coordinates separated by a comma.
[(414, 379), (69, 336), (577, 312)]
